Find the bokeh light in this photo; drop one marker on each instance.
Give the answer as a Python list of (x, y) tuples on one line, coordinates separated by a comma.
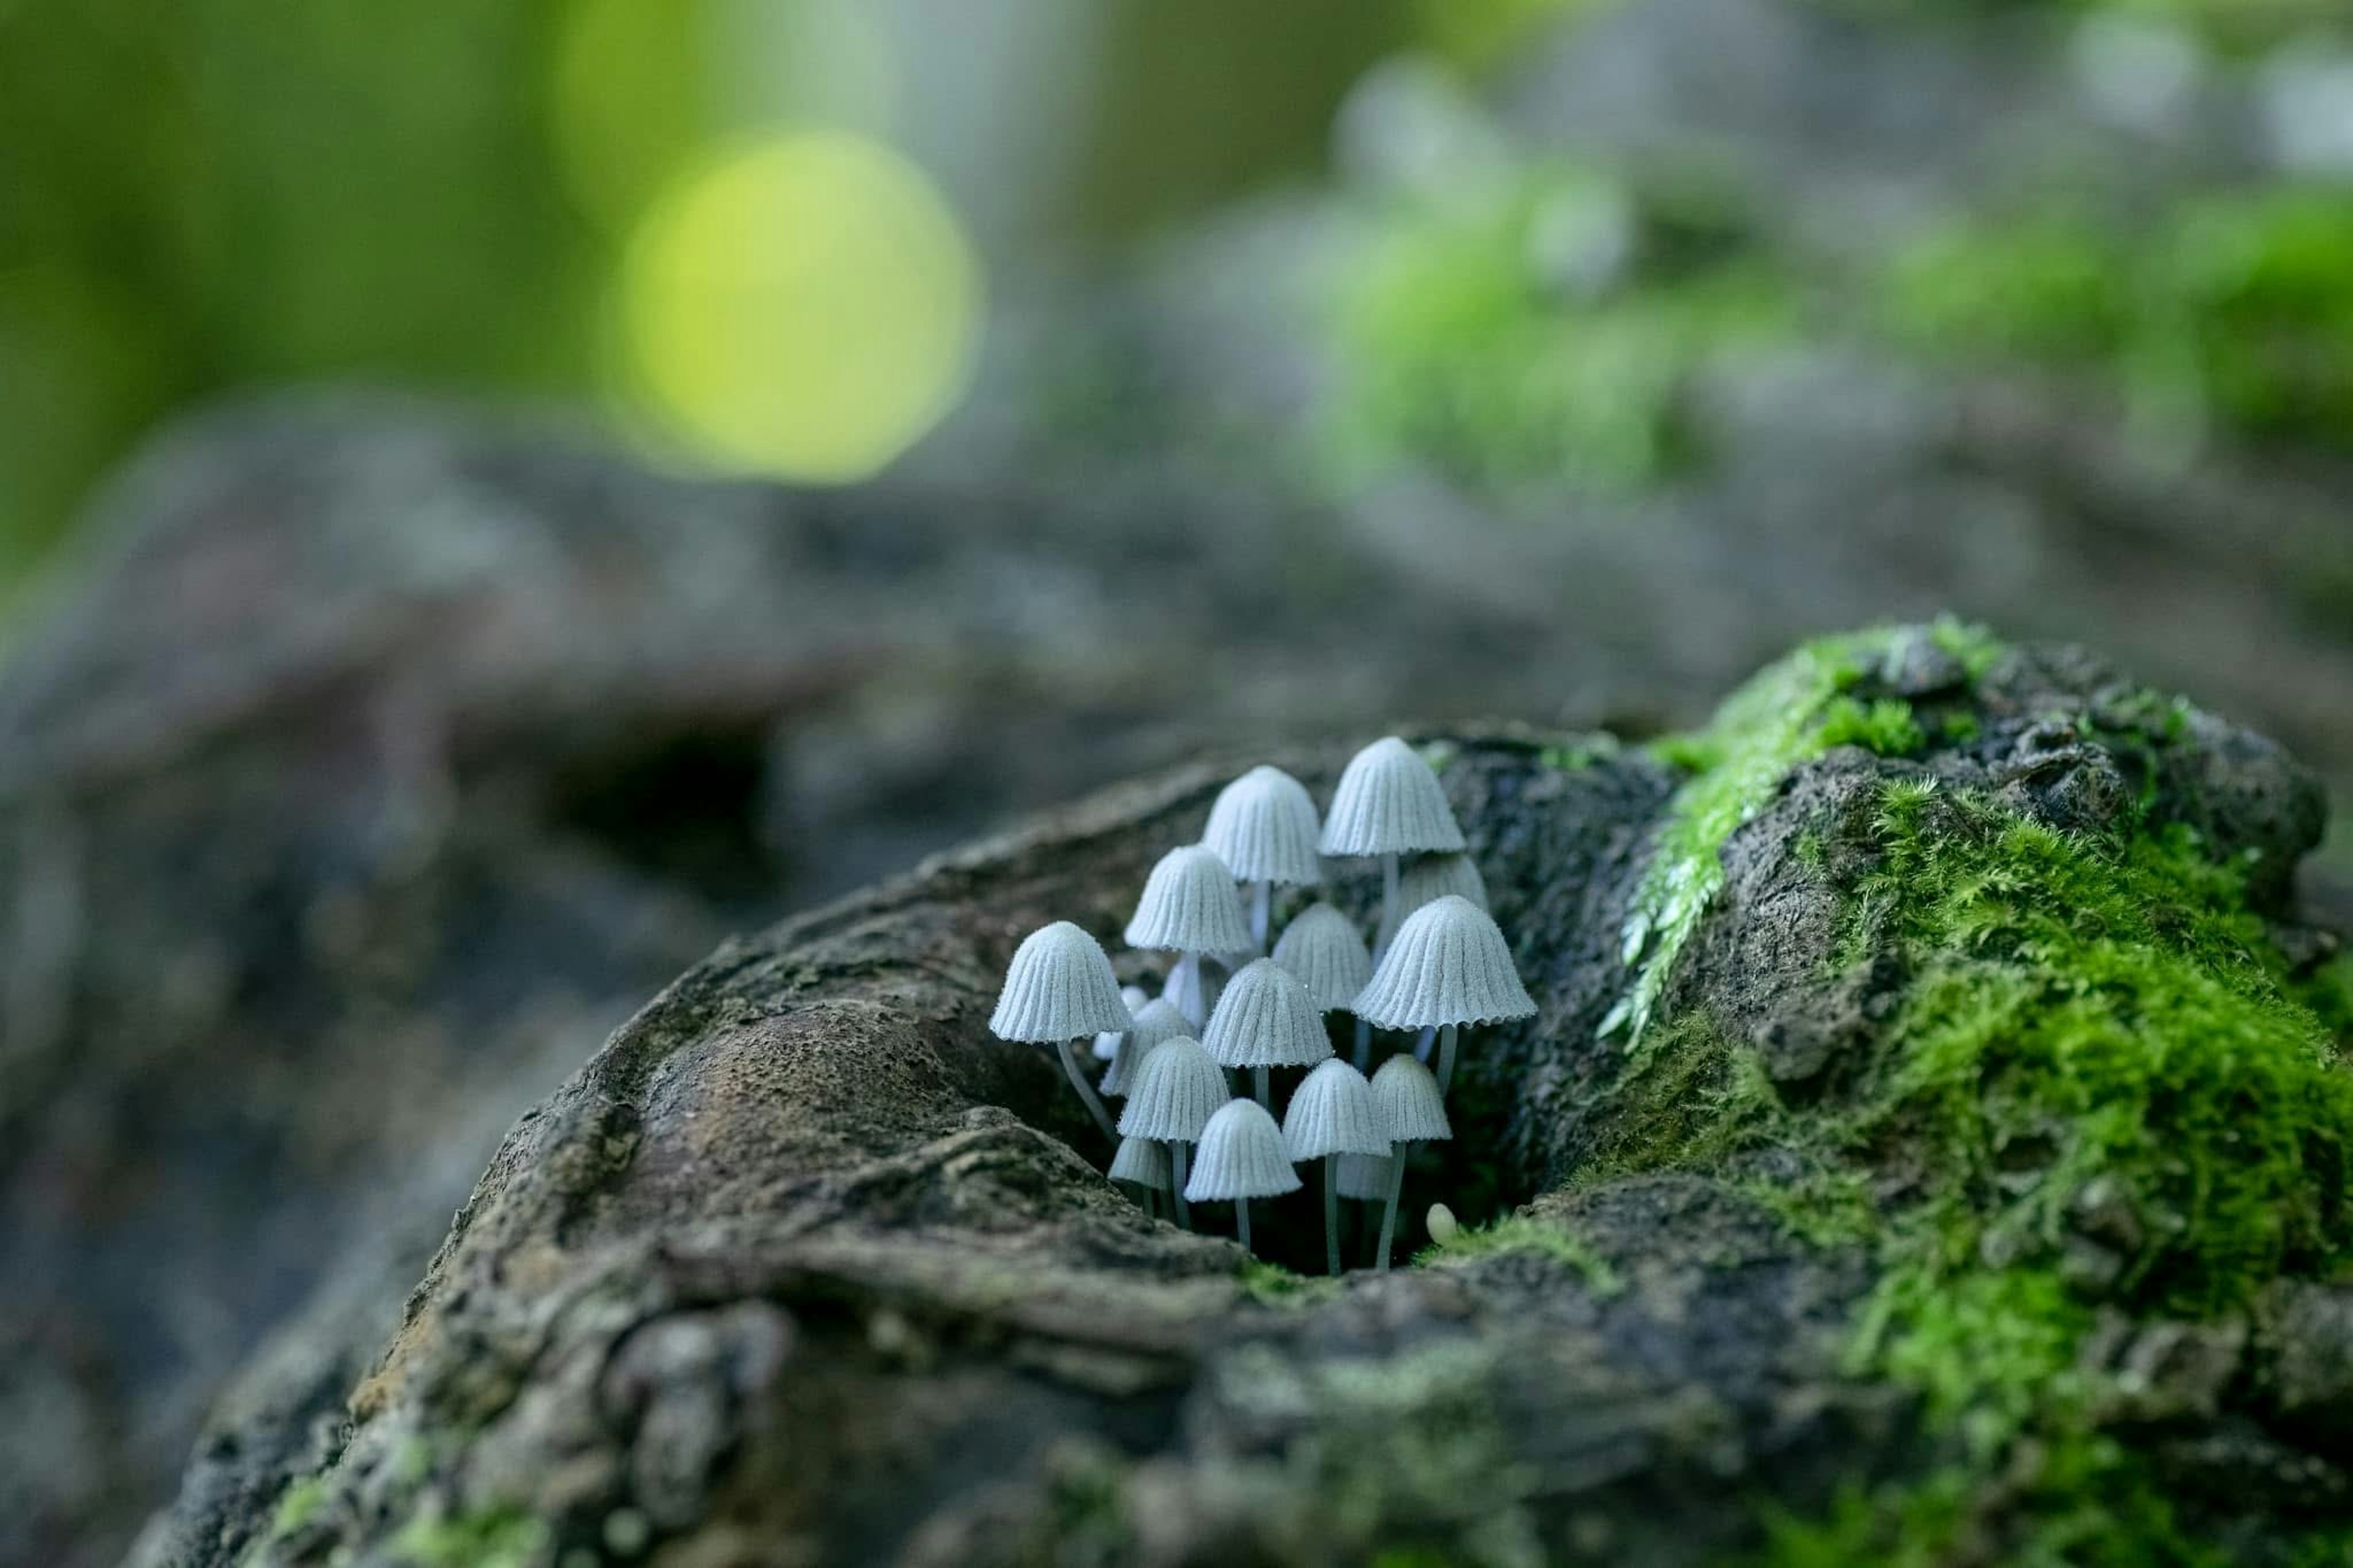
[(806, 305)]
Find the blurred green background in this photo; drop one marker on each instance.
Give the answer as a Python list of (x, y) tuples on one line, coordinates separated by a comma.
[(769, 232)]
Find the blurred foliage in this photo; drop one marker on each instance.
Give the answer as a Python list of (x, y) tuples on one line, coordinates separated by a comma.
[(1546, 330), (2232, 311), (208, 194), (2234, 25)]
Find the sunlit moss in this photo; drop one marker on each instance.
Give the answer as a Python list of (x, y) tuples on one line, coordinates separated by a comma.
[(1523, 1234), (1787, 714), (806, 306)]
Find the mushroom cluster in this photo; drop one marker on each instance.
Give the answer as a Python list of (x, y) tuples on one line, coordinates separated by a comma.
[(1189, 1135)]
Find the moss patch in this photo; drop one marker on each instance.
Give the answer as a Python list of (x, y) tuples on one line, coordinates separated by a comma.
[(492, 1537), (1520, 1233), (2093, 1089), (1790, 712)]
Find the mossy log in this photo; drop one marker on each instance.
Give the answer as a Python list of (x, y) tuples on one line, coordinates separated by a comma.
[(1931, 1147)]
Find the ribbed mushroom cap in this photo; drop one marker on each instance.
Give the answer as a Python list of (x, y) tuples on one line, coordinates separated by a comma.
[(1175, 1091), (1388, 802), (1321, 946), (1332, 1113), (1365, 1177), (1426, 878), (1406, 1099), (1266, 1018), (1189, 905), (1156, 1022), (1107, 1042), (1240, 1156), (1059, 986), (1143, 1163), (1450, 965), (1263, 827)]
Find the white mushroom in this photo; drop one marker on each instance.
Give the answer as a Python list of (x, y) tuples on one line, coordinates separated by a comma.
[(1449, 966), (1390, 803), (1142, 1164), (1411, 1110), (1266, 1018), (1428, 877), (1156, 1022), (1189, 907), (1263, 827), (1060, 988), (1321, 947), (1331, 1117), (1107, 1042), (1241, 1158), (1175, 1092)]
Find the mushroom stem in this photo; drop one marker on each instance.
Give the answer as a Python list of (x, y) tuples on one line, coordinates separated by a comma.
[(1176, 1184), (1388, 904), (1364, 1046), (1261, 912), (1185, 991), (1332, 1213), (1388, 1215), (1421, 1045), (1258, 1086), (1087, 1092), (1445, 1057), (1242, 1221)]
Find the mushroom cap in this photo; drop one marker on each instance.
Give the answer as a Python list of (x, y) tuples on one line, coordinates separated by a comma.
[(1265, 1017), (1365, 1177), (1155, 1020), (1240, 1156), (1450, 965), (1406, 1099), (1175, 1091), (1332, 1113), (1059, 986), (1263, 827), (1321, 946), (1107, 1042), (1426, 878), (1388, 802), (1143, 1162), (1189, 905)]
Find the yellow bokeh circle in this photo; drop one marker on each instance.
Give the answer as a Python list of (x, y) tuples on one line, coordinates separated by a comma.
[(804, 305)]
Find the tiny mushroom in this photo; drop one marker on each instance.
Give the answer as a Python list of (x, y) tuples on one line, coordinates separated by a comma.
[(1241, 1158), (1142, 1164), (1365, 1177), (1411, 1110), (1331, 1117), (1263, 827), (1266, 1018), (1390, 803), (1189, 907), (1155, 1020), (1321, 947), (1427, 878), (1449, 966), (1175, 1092), (1107, 1042), (1060, 988)]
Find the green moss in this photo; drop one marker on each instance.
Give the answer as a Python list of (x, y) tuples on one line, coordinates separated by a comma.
[(1272, 1285), (297, 1505), (1462, 349), (1789, 713), (1520, 1233), (1884, 726), (2096, 1090), (489, 1538)]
